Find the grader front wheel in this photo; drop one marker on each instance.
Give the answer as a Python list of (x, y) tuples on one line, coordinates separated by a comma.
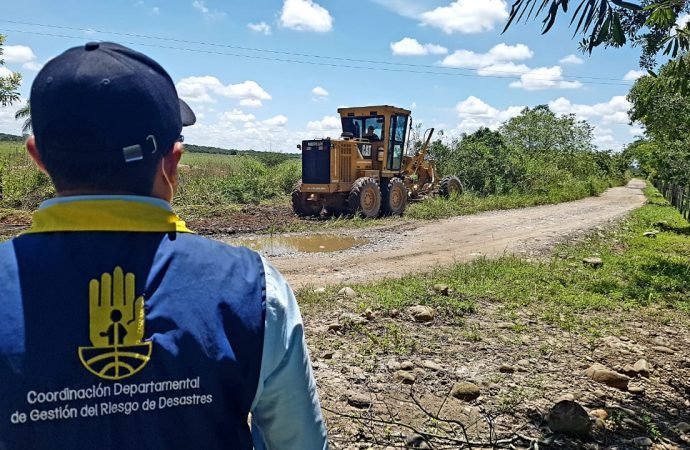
[(365, 198), (302, 205)]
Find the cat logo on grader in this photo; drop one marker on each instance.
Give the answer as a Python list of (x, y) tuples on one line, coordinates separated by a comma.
[(366, 171)]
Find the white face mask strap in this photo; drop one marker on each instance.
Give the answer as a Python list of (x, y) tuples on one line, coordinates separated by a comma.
[(167, 180)]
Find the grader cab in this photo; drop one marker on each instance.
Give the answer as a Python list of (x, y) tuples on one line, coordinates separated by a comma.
[(366, 171)]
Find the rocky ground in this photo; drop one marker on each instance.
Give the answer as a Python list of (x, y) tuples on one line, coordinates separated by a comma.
[(414, 379)]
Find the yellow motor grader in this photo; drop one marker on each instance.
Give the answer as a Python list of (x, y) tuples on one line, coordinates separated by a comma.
[(366, 171)]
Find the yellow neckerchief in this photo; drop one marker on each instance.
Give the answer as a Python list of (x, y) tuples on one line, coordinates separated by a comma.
[(106, 215)]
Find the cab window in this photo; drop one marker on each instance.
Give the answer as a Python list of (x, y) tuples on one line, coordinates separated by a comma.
[(369, 127), (397, 142)]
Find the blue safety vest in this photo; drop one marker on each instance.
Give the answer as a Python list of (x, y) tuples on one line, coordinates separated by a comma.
[(119, 329)]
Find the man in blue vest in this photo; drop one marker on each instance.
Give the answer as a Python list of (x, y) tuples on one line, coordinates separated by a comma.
[(120, 328)]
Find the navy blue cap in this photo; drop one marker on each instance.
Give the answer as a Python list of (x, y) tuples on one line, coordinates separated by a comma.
[(122, 104)]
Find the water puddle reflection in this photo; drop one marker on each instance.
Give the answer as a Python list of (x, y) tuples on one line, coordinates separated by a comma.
[(315, 243)]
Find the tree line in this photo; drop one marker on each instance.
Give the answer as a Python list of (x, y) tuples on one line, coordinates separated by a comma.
[(535, 152)]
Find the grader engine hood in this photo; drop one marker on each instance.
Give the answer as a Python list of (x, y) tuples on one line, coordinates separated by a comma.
[(316, 161)]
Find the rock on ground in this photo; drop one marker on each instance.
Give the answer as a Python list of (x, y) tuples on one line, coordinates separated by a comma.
[(568, 417), (604, 375), (465, 391), (421, 313)]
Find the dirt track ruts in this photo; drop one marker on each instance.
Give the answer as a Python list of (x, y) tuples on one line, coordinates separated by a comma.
[(440, 243)]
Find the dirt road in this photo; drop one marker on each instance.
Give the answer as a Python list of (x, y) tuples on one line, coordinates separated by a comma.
[(427, 245)]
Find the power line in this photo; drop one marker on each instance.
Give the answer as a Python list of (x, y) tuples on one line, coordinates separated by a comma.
[(280, 52), (294, 61)]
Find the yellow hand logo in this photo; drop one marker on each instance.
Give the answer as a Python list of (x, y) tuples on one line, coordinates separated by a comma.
[(116, 315)]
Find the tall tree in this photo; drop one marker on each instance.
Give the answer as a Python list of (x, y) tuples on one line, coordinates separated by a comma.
[(665, 113), (9, 85), (540, 130)]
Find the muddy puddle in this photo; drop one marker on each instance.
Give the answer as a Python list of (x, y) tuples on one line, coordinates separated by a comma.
[(316, 243)]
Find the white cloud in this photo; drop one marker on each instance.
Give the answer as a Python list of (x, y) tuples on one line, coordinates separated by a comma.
[(544, 78), (21, 54), (406, 8), (244, 135), (508, 69), (500, 53), (200, 5), (200, 90), (474, 113), (498, 61), (572, 59), (261, 27), (276, 121), (305, 15), (32, 66), (5, 72), (328, 126), (411, 47), (682, 21), (319, 92), (467, 16), (615, 111), (237, 115), (250, 102), (633, 75)]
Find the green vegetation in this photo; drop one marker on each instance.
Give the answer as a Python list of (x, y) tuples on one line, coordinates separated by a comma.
[(534, 158), (22, 185), (665, 153), (9, 85), (637, 272), (217, 179), (207, 181), (535, 153), (470, 203)]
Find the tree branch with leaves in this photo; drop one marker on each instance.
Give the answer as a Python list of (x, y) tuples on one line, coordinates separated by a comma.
[(651, 24), (9, 85)]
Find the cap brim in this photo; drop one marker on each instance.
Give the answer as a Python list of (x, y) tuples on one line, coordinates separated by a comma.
[(188, 116)]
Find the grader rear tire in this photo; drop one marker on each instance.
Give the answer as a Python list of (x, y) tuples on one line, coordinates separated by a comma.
[(365, 198), (303, 207), (451, 186), (394, 199)]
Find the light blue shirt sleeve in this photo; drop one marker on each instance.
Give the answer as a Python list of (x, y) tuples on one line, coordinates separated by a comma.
[(286, 413)]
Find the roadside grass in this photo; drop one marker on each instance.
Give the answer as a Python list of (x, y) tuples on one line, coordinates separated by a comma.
[(439, 208), (639, 273)]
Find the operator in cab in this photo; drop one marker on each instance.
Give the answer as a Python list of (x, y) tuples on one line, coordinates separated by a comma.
[(371, 135)]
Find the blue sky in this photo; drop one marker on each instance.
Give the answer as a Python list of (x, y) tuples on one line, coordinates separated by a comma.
[(447, 61)]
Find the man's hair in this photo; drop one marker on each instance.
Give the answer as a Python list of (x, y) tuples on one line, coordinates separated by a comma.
[(75, 165)]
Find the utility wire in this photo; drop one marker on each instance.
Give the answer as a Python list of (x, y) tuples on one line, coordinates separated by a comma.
[(279, 52), (294, 61)]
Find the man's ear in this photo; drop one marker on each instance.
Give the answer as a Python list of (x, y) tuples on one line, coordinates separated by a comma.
[(33, 152), (170, 163), (172, 160)]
